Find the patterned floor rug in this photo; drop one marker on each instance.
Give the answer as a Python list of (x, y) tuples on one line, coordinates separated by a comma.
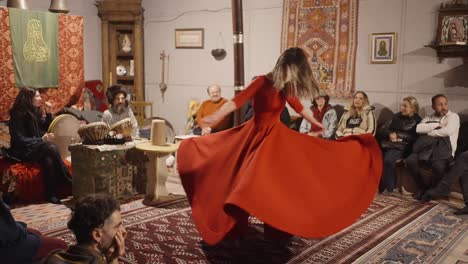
[(438, 236), (166, 234)]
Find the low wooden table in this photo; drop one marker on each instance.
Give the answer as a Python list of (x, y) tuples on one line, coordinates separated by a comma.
[(156, 176)]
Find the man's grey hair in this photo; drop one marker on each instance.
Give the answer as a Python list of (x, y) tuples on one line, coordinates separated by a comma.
[(213, 85)]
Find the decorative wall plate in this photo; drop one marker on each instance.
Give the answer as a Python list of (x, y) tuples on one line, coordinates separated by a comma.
[(120, 70)]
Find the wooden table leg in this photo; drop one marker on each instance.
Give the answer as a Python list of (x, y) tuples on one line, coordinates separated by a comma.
[(156, 178)]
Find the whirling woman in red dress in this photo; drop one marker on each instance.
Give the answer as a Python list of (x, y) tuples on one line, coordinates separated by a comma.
[(300, 185)]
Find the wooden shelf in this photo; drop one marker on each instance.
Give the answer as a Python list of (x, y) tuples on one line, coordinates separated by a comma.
[(119, 18), (125, 55), (125, 78), (450, 51), (450, 40)]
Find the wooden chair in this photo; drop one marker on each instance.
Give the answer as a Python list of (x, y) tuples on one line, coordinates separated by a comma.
[(139, 109)]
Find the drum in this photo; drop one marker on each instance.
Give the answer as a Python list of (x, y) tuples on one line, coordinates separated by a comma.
[(123, 127), (93, 133), (65, 128)]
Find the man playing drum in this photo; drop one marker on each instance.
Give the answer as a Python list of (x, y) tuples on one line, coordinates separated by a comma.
[(119, 110)]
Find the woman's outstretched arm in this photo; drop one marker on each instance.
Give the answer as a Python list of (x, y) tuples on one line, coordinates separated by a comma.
[(305, 113), (223, 111)]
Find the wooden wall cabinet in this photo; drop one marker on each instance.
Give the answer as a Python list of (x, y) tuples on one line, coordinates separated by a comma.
[(452, 31), (122, 45)]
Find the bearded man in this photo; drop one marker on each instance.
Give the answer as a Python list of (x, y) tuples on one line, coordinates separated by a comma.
[(117, 97)]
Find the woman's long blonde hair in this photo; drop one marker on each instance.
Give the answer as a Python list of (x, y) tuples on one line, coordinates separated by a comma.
[(292, 74), (352, 110)]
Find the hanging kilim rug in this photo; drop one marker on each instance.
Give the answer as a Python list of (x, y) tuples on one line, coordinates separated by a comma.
[(327, 31)]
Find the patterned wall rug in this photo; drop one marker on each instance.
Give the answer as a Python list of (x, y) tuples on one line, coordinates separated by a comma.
[(4, 135), (327, 31), (71, 65), (167, 235)]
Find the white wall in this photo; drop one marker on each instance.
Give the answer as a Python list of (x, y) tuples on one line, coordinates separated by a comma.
[(416, 72), (192, 70), (92, 32)]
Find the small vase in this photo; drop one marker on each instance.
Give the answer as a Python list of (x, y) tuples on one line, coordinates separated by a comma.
[(132, 68)]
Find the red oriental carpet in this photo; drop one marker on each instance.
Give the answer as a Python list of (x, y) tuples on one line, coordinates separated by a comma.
[(167, 234), (327, 31)]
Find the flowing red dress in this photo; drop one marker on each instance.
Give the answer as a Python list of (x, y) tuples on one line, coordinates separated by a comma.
[(299, 184)]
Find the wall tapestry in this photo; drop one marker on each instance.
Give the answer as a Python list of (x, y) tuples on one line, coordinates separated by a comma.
[(70, 68), (327, 31)]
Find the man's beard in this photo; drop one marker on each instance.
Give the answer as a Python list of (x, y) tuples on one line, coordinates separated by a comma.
[(442, 113), (119, 108)]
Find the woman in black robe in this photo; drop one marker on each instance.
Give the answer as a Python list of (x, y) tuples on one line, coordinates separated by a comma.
[(31, 143)]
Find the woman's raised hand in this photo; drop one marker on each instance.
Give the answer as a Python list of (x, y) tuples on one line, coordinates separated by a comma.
[(48, 107)]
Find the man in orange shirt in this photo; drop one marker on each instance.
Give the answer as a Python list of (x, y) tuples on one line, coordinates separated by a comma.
[(210, 106)]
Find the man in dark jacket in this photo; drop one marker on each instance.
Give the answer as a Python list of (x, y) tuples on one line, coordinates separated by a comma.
[(19, 244)]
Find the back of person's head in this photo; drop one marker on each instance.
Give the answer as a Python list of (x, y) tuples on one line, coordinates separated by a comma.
[(293, 75), (437, 96), (113, 91), (91, 212), (24, 102), (413, 102)]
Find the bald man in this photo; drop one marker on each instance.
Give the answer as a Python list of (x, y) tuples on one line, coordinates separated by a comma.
[(210, 106)]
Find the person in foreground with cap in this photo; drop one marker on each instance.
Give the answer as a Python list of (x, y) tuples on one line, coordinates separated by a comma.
[(325, 114)]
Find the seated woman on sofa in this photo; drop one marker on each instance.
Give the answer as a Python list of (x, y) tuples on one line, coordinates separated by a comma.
[(358, 119), (30, 142), (398, 137)]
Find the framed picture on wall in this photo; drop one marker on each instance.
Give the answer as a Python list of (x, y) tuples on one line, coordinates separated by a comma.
[(383, 48), (189, 38)]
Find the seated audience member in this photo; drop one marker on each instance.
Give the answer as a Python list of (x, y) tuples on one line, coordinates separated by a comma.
[(210, 106), (19, 244), (31, 143), (325, 114), (458, 172), (398, 136), (97, 225), (436, 145), (117, 98), (358, 119), (285, 118)]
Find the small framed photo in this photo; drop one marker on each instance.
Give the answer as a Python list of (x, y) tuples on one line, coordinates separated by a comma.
[(189, 38), (383, 48)]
